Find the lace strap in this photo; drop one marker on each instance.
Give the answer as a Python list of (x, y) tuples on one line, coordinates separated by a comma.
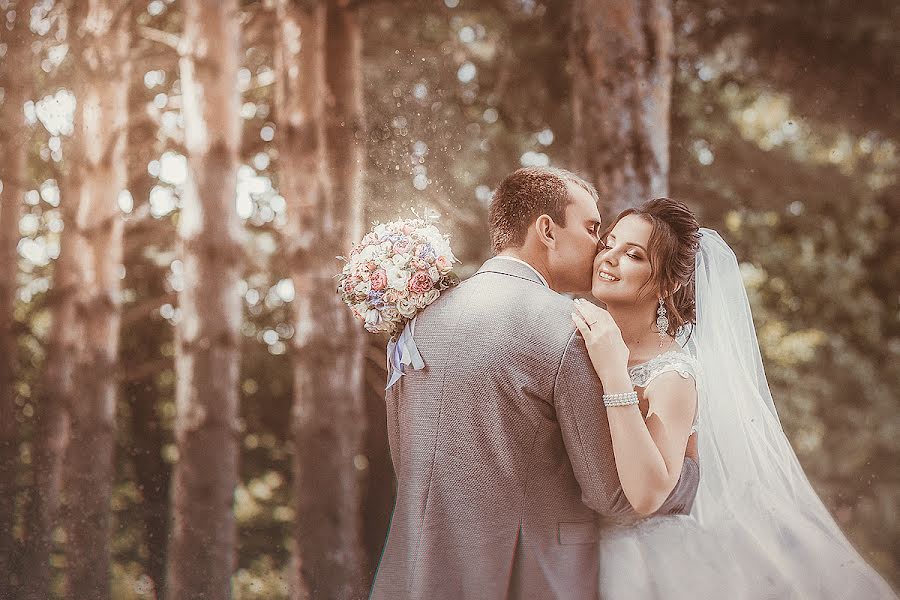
[(674, 360), (644, 373)]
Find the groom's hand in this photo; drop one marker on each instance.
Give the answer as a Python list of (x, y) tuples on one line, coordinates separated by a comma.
[(603, 339)]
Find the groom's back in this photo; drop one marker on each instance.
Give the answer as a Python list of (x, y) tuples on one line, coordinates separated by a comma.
[(488, 504)]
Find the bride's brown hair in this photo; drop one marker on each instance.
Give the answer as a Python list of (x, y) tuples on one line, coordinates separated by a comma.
[(673, 247)]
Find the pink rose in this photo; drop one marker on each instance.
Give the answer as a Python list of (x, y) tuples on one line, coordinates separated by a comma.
[(420, 282), (442, 263), (401, 246), (379, 280), (371, 266)]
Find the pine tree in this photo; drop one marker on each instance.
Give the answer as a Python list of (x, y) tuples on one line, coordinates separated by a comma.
[(621, 57), (202, 551)]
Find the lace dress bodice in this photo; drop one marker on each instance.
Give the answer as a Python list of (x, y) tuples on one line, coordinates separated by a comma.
[(674, 360)]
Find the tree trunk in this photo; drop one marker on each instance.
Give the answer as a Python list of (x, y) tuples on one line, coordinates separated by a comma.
[(621, 53), (378, 489), (51, 432), (346, 170), (152, 474), (15, 136), (49, 440), (142, 340), (320, 174), (202, 550), (299, 108), (100, 52)]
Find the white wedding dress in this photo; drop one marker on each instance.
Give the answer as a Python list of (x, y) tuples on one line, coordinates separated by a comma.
[(757, 529)]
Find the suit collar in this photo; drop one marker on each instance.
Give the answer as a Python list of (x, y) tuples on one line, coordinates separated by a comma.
[(512, 268)]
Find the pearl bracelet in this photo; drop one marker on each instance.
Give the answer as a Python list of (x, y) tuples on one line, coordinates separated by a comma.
[(623, 399)]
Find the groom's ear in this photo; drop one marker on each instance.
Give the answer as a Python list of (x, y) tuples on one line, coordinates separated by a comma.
[(546, 230)]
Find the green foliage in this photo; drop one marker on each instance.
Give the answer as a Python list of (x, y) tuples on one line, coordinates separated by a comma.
[(808, 199)]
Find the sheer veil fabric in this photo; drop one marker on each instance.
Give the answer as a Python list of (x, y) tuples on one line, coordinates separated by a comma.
[(757, 528)]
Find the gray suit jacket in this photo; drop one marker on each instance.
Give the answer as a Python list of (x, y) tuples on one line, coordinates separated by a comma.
[(502, 450)]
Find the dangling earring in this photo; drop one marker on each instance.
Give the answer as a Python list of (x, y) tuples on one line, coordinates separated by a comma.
[(662, 322)]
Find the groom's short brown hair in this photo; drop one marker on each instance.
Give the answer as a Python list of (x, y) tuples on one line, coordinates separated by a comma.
[(526, 194)]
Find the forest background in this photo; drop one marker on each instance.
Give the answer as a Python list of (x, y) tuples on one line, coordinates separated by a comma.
[(186, 409)]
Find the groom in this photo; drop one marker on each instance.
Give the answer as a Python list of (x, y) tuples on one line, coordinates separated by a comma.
[(500, 444)]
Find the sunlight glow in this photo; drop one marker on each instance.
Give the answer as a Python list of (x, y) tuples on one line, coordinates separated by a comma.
[(55, 112), (173, 168), (466, 72)]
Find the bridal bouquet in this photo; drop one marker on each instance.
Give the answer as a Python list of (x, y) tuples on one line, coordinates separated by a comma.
[(397, 270)]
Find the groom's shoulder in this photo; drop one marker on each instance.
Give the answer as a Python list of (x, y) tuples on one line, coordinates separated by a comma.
[(553, 311), (553, 305), (535, 306)]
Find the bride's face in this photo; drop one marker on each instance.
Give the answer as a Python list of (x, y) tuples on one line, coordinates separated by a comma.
[(622, 265)]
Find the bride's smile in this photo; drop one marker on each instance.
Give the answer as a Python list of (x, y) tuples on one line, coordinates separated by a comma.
[(622, 267), (603, 275)]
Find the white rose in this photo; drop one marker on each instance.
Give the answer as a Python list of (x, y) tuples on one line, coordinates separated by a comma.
[(400, 260), (373, 319), (435, 274), (407, 308), (423, 300), (397, 278), (442, 248), (363, 287), (430, 296), (389, 313)]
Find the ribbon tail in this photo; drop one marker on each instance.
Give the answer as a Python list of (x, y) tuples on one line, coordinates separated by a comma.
[(394, 372), (415, 359), (394, 378), (402, 353)]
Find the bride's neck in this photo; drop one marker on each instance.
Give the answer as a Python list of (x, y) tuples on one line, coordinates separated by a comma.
[(637, 324)]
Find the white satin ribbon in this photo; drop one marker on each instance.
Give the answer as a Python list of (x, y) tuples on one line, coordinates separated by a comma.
[(403, 353)]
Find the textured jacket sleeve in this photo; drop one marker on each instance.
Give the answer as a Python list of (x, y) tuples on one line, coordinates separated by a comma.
[(393, 428), (681, 499), (577, 397)]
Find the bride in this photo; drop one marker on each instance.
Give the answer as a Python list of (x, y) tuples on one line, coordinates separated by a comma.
[(677, 353)]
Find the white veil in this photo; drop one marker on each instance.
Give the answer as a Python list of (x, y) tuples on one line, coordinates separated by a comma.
[(754, 496)]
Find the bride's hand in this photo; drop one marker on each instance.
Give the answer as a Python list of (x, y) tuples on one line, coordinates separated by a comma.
[(603, 339)]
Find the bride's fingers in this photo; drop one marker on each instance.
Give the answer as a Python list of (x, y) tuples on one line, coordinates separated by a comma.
[(588, 310), (581, 324), (593, 314)]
